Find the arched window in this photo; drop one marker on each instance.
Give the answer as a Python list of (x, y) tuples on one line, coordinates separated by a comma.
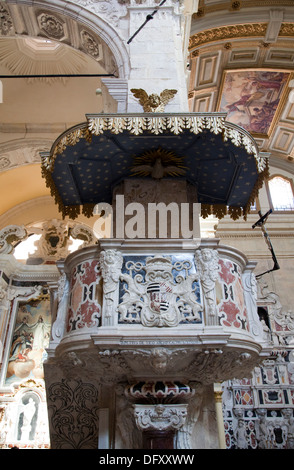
[(281, 193)]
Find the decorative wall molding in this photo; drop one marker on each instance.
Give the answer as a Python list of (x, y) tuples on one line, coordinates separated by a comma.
[(10, 234), (52, 26), (19, 57), (111, 10), (56, 238)]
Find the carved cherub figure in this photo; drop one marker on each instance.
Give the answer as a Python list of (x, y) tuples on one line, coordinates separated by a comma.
[(153, 103)]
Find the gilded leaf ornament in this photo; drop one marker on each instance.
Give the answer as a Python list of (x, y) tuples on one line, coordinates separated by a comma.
[(126, 127)]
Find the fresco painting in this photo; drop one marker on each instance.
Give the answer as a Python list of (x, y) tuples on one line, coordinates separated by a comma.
[(251, 98), (29, 341)]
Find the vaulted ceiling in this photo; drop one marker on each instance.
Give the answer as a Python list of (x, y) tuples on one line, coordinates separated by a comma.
[(242, 63), (35, 111)]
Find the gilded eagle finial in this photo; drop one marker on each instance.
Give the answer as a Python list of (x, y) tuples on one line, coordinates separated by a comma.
[(153, 103)]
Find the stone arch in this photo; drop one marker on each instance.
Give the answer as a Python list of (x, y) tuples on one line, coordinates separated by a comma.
[(70, 24), (88, 33)]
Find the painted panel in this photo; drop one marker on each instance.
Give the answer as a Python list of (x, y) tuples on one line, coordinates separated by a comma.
[(251, 98), (29, 341)]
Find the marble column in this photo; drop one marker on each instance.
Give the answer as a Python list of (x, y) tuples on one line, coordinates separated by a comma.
[(219, 415)]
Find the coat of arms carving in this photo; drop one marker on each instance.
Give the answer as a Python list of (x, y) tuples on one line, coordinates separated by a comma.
[(160, 293)]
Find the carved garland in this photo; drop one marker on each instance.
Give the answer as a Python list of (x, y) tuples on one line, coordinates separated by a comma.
[(227, 32), (235, 32)]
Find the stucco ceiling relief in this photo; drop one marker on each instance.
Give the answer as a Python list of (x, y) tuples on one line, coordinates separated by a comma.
[(36, 22)]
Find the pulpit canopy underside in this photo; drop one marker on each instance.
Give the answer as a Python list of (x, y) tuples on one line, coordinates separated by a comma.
[(217, 157)]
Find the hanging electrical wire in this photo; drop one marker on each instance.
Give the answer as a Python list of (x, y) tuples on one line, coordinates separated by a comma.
[(148, 18)]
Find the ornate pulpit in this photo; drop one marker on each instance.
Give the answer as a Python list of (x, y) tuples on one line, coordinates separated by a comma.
[(148, 320)]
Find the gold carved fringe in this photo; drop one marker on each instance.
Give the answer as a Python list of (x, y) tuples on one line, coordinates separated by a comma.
[(221, 210)]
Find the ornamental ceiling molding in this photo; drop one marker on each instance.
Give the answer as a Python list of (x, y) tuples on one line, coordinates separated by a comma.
[(76, 26), (20, 59), (19, 156), (110, 10), (237, 5), (236, 31)]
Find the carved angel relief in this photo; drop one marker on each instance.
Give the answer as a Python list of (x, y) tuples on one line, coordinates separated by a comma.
[(207, 264), (153, 103), (154, 296)]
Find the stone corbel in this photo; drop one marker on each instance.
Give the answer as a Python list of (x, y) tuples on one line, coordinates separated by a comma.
[(118, 90)]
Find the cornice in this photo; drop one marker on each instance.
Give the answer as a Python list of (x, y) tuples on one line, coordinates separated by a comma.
[(236, 31), (248, 234), (20, 272)]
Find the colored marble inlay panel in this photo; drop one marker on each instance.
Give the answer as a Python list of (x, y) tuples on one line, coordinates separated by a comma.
[(272, 397), (85, 296), (243, 397), (230, 298)]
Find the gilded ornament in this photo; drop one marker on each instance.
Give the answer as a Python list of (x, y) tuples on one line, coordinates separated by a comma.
[(227, 32), (158, 164), (153, 103), (176, 124)]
